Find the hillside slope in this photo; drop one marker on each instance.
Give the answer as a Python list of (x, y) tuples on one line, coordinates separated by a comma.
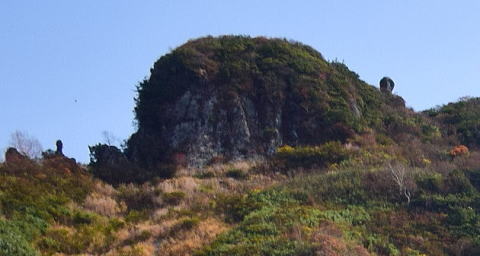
[(460, 120)]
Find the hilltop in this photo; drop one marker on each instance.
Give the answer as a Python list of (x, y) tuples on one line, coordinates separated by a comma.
[(236, 97)]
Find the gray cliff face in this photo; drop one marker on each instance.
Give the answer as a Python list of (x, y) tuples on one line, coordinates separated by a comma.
[(206, 123), (203, 128)]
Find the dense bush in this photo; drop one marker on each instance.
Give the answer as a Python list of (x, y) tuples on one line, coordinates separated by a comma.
[(460, 119), (112, 166), (13, 242), (173, 198), (236, 173), (311, 156)]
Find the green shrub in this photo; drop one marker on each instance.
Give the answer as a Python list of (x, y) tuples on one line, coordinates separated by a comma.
[(352, 215), (340, 187), (462, 216), (461, 118), (83, 218), (12, 241), (173, 198), (111, 165), (143, 236), (456, 182), (189, 223), (204, 175), (137, 197), (235, 207), (431, 182), (236, 174), (135, 216), (308, 156), (116, 224), (381, 245)]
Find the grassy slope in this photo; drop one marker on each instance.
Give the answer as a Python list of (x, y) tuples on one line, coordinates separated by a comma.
[(244, 209)]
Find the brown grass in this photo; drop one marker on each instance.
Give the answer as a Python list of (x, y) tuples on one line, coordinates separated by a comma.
[(186, 242), (173, 229), (139, 249), (103, 205)]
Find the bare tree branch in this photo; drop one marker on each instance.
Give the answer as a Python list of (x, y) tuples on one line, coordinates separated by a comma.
[(400, 176), (26, 144)]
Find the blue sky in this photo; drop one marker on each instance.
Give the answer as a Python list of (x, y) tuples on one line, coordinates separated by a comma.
[(68, 69)]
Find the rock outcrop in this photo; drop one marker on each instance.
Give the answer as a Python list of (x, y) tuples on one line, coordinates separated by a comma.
[(238, 97), (59, 150), (386, 85), (12, 156)]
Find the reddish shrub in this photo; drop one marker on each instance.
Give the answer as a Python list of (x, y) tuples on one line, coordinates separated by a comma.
[(459, 151)]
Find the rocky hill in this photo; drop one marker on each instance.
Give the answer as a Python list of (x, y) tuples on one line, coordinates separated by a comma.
[(235, 97), (347, 169)]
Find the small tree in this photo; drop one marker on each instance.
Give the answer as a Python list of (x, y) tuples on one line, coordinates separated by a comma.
[(402, 177), (26, 144)]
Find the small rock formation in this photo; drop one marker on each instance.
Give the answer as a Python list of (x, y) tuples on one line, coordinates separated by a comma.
[(12, 156), (59, 150), (386, 85), (56, 159)]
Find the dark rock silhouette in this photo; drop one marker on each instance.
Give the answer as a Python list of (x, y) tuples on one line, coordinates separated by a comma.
[(386, 85), (59, 150)]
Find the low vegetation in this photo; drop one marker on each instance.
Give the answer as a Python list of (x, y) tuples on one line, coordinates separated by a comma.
[(327, 200)]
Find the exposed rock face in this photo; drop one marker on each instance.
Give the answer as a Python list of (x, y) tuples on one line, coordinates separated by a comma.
[(202, 128), (237, 97)]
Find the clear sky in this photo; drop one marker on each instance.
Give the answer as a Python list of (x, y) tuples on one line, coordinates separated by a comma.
[(68, 69)]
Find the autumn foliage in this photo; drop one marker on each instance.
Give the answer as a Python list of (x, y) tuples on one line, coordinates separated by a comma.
[(460, 150)]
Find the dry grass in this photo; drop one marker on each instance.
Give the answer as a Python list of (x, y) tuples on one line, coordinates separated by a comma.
[(329, 242), (139, 249), (199, 192), (177, 228), (103, 205), (104, 189), (187, 241), (220, 169), (185, 184)]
